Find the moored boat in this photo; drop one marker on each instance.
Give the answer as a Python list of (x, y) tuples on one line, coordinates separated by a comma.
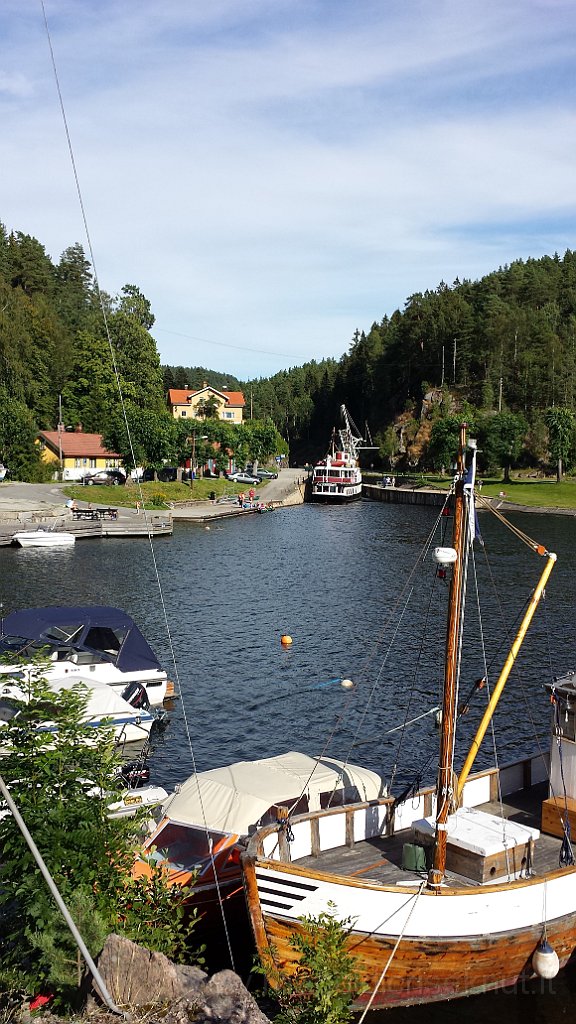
[(93, 641), (206, 822), (446, 890), (44, 539), (104, 710), (337, 477)]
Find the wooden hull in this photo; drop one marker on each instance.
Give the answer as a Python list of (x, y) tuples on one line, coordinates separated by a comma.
[(425, 971)]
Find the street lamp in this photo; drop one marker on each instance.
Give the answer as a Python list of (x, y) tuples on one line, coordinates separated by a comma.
[(195, 437)]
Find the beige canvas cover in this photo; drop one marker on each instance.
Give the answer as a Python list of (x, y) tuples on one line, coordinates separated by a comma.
[(233, 798)]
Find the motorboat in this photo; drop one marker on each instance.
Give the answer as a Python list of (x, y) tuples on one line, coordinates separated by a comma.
[(205, 824), (96, 642), (44, 539), (104, 709)]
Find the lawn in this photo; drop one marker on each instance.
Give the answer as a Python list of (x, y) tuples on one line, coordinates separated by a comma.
[(154, 495)]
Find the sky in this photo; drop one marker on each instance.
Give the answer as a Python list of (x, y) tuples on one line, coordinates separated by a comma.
[(276, 174)]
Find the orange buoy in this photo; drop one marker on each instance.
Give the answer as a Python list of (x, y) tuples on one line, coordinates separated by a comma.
[(285, 640)]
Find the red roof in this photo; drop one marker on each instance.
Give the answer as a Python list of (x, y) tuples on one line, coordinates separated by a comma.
[(179, 396), (77, 445)]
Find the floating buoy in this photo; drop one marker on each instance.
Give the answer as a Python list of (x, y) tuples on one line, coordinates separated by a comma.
[(438, 718), (545, 961), (206, 527), (286, 640), (347, 684)]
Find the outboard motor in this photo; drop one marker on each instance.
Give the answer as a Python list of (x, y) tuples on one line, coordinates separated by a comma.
[(137, 696), (135, 774)]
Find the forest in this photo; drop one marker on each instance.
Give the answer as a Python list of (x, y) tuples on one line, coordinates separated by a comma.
[(499, 352)]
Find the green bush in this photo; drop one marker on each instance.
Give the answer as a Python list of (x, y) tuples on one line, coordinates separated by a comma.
[(52, 778), (326, 979)]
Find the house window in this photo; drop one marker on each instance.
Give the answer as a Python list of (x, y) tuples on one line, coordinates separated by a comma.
[(228, 415)]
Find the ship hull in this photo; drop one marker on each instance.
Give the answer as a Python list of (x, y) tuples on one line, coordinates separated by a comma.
[(426, 971)]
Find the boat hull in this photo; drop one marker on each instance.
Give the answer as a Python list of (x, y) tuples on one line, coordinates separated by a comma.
[(425, 971), (43, 539), (337, 498)]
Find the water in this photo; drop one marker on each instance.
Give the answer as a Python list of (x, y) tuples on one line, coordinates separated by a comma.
[(334, 578)]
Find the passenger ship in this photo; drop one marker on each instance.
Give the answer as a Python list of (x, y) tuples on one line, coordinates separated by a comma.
[(337, 478)]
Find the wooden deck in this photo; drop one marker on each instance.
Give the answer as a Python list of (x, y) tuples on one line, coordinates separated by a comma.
[(380, 859)]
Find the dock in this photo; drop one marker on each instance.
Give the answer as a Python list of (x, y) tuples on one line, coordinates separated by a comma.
[(157, 525)]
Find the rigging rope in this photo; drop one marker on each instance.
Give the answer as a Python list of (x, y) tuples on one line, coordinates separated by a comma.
[(416, 897), (132, 452)]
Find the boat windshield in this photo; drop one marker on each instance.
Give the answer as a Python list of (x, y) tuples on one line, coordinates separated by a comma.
[(186, 849)]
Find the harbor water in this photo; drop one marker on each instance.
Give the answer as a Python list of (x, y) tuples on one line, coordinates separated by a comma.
[(214, 603)]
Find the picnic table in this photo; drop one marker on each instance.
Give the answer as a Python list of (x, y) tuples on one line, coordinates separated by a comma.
[(94, 513)]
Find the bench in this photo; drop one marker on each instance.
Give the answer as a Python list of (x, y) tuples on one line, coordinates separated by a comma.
[(82, 514)]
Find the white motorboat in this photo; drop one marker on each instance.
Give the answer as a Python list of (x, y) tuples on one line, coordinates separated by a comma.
[(44, 539), (96, 642), (105, 709)]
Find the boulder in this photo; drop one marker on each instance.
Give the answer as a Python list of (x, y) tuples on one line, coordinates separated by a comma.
[(136, 977)]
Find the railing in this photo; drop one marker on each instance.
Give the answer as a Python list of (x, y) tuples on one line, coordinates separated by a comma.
[(344, 826)]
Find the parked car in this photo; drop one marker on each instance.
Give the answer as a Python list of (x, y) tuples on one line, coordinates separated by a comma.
[(111, 477), (167, 474), (244, 478), (266, 474)]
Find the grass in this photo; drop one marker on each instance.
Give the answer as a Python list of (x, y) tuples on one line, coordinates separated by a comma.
[(155, 495)]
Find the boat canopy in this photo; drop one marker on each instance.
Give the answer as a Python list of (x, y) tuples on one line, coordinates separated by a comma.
[(235, 798), (107, 632)]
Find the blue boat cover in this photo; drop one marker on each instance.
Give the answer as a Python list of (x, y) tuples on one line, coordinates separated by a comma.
[(108, 632)]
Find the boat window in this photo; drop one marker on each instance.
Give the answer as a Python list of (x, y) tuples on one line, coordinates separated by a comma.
[(102, 638), (271, 815), (63, 634), (338, 797), (16, 644), (185, 848)]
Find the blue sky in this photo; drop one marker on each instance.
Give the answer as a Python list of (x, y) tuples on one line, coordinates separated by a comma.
[(274, 174)]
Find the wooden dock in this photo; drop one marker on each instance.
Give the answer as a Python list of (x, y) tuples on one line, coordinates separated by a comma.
[(157, 525)]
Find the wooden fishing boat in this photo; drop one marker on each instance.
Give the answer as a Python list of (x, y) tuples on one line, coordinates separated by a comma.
[(466, 886)]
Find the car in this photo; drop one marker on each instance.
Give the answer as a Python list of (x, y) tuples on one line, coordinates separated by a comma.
[(266, 474), (111, 477), (244, 478)]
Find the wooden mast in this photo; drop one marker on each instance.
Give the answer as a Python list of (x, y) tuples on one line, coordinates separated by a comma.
[(444, 785)]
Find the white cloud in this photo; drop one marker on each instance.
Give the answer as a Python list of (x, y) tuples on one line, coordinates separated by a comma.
[(274, 175)]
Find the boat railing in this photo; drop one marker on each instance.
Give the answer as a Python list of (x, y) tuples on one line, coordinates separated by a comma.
[(316, 831)]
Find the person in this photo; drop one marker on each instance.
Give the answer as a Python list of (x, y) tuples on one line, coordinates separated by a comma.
[(241, 499), (251, 495)]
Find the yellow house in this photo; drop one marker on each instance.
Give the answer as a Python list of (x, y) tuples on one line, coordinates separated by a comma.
[(81, 453), (186, 403)]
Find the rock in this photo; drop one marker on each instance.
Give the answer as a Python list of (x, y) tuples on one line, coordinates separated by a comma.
[(135, 978), (227, 1001)]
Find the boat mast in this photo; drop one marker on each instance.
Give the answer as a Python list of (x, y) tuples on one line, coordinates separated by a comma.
[(444, 785)]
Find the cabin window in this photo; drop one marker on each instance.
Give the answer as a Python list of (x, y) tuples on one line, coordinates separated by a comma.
[(63, 634), (102, 638)]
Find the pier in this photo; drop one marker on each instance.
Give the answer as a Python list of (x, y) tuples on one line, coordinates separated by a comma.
[(415, 495)]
